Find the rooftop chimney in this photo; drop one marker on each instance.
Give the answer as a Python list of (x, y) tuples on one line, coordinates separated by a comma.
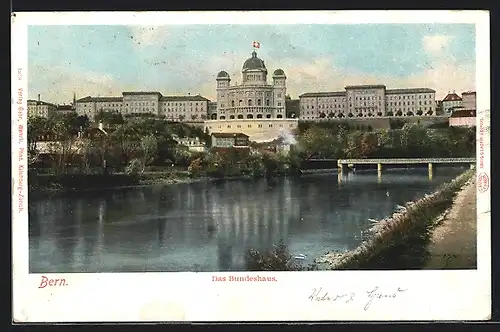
[(38, 97)]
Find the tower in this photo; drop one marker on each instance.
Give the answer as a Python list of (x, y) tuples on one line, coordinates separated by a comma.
[(223, 81), (279, 92)]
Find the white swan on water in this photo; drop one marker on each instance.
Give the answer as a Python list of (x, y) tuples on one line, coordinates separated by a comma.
[(300, 256)]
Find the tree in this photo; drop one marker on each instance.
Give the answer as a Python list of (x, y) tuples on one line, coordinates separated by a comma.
[(149, 149), (353, 147), (195, 167), (82, 122), (126, 139), (109, 118), (37, 126), (63, 149), (317, 140), (369, 145)]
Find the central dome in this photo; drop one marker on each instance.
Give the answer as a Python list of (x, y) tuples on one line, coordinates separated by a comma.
[(254, 63)]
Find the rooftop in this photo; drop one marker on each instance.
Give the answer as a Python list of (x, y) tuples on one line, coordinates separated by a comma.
[(228, 135), (65, 108), (39, 102), (464, 114), (180, 98), (162, 98), (367, 86), (452, 97), (410, 90), (99, 99), (323, 94), (141, 93)]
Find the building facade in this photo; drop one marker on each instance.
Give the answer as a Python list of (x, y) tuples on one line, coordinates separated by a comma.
[(65, 109), (367, 101), (174, 108), (229, 140), (38, 108), (258, 130), (451, 102), (469, 100), (463, 118), (193, 143), (254, 98)]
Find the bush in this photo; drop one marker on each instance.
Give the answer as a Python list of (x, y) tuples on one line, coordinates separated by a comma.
[(135, 166), (195, 167), (276, 259)]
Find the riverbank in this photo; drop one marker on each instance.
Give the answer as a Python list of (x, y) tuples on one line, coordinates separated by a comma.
[(50, 185), (399, 241), (453, 243)]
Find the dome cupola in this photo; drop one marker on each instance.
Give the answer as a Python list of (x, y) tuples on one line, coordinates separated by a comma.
[(278, 72), (223, 74), (254, 63)]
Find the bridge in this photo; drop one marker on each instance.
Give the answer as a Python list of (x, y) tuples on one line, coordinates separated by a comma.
[(344, 164)]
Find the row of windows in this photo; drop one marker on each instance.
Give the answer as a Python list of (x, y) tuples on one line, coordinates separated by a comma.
[(369, 103), (180, 110), (369, 114), (232, 94), (365, 110), (250, 116), (144, 103), (367, 98), (250, 126)]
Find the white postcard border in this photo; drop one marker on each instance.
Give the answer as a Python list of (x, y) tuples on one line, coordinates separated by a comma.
[(425, 295)]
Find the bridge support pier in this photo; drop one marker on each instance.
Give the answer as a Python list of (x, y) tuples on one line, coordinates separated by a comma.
[(431, 170), (343, 168), (379, 167)]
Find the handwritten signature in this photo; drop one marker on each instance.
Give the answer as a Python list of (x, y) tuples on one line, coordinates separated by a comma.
[(368, 297)]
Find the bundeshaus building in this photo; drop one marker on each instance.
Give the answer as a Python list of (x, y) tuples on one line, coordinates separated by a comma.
[(254, 98), (254, 107)]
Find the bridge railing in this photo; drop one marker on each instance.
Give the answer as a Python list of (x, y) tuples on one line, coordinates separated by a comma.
[(407, 161)]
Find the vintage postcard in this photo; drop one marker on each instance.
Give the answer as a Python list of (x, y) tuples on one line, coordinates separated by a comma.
[(251, 166)]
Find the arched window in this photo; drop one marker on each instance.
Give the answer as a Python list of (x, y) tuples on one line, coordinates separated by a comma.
[(267, 102), (222, 117), (268, 116), (279, 116), (231, 116), (259, 116), (249, 102), (240, 116), (259, 102), (214, 116), (249, 116), (240, 103), (232, 103)]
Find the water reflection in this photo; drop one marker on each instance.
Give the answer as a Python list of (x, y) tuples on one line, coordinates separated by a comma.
[(209, 227)]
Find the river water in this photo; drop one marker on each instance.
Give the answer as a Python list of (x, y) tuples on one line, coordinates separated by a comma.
[(209, 226)]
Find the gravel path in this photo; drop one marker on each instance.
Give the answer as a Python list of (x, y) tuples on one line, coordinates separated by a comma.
[(453, 243)]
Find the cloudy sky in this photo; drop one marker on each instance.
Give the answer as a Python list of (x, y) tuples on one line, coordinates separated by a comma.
[(106, 60)]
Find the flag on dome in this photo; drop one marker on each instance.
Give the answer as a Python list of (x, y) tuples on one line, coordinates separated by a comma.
[(256, 44)]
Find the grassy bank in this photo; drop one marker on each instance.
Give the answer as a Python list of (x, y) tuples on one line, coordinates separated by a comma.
[(400, 241)]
